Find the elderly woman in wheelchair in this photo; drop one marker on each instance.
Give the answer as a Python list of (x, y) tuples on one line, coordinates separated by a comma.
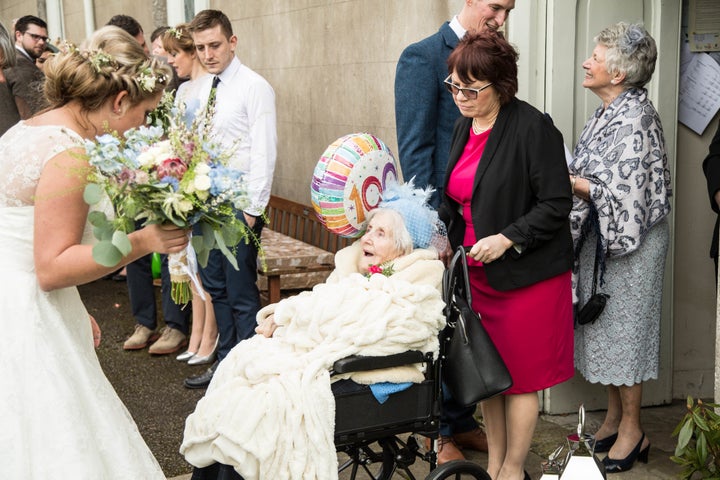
[(270, 411)]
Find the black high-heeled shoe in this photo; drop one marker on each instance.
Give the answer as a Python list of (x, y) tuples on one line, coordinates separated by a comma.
[(605, 444), (623, 465)]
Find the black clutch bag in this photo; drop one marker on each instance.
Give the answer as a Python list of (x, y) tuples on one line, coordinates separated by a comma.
[(472, 368), (596, 303), (592, 309)]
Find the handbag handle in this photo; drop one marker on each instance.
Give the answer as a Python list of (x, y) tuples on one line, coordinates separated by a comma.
[(456, 280), (595, 268)]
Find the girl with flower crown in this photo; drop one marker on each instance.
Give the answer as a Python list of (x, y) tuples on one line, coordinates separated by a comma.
[(61, 417), (382, 298)]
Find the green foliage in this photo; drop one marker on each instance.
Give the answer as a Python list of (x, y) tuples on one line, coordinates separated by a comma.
[(698, 445)]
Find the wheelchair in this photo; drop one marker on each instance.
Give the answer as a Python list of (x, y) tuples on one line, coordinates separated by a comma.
[(369, 432), (380, 439)]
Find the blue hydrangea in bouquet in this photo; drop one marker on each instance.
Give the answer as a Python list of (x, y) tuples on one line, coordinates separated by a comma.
[(171, 172)]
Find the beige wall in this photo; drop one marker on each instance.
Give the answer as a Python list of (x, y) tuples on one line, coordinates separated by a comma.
[(12, 9), (74, 14), (332, 65)]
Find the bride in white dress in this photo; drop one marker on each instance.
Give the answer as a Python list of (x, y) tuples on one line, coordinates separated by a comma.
[(60, 416)]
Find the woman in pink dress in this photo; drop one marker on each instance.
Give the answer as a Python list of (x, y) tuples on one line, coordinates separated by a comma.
[(507, 196)]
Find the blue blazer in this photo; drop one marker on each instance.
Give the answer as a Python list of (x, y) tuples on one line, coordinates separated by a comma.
[(424, 111)]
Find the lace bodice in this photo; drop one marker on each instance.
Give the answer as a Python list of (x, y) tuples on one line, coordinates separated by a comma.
[(24, 150)]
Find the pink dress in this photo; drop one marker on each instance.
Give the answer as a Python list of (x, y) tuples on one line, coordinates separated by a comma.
[(532, 326)]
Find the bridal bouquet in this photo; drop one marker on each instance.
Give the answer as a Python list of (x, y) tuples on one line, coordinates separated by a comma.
[(178, 174)]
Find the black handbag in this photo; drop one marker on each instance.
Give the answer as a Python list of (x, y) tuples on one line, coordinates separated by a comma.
[(596, 303), (472, 369)]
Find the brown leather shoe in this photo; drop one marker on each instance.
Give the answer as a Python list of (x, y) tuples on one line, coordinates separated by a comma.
[(472, 440), (448, 451)]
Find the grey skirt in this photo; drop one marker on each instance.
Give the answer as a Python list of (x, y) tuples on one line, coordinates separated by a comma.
[(622, 347)]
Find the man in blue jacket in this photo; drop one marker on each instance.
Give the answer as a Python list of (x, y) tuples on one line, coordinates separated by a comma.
[(424, 110), (424, 117)]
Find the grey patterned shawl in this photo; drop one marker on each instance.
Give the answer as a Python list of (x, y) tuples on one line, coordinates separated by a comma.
[(621, 151)]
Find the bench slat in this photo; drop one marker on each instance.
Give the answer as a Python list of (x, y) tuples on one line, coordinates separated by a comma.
[(299, 223)]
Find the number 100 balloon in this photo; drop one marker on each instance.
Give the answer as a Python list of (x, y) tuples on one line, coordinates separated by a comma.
[(348, 182)]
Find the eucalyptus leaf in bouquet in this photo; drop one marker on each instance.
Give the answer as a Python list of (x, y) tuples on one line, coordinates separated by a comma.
[(171, 172)]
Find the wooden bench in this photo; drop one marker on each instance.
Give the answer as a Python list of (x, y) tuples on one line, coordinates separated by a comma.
[(298, 250)]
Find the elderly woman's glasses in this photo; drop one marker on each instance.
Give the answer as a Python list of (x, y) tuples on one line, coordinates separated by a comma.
[(469, 93)]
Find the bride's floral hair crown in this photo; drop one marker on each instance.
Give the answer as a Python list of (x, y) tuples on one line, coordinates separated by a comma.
[(109, 62), (102, 62), (105, 64), (421, 220)]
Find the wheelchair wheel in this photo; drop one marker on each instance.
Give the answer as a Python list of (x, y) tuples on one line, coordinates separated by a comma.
[(372, 462), (459, 470)]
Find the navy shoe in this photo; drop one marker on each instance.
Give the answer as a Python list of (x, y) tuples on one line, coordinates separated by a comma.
[(202, 380), (625, 464), (605, 444)]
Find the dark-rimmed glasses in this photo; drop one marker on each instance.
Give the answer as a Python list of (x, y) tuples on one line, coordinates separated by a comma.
[(36, 37), (469, 93)]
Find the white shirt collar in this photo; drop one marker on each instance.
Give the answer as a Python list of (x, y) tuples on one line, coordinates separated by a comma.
[(457, 28), (230, 70)]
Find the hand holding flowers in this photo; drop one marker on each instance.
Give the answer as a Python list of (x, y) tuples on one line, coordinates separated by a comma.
[(179, 177)]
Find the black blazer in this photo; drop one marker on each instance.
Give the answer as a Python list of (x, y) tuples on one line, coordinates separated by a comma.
[(522, 190), (711, 168)]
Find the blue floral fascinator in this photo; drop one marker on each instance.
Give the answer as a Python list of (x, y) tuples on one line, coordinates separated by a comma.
[(421, 220)]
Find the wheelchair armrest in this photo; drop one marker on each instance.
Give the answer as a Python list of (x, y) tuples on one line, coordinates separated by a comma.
[(358, 363)]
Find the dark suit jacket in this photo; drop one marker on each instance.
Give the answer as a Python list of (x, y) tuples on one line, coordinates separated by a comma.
[(424, 111), (25, 80), (522, 190), (711, 168)]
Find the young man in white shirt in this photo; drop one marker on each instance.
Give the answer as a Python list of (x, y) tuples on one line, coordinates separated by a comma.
[(244, 118)]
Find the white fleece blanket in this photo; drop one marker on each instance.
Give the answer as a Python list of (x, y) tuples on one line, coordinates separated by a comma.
[(269, 411)]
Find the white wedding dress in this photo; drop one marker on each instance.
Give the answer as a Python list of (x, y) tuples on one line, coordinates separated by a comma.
[(59, 415)]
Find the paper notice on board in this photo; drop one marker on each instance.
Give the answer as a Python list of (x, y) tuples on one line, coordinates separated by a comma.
[(699, 96), (704, 25)]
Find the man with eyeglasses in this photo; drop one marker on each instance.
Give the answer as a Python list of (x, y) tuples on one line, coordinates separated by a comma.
[(25, 80), (424, 118)]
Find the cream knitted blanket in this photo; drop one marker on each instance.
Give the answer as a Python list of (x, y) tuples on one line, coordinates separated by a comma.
[(269, 411)]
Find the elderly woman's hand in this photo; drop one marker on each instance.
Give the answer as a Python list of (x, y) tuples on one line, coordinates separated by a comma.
[(490, 248), (266, 327), (446, 255)]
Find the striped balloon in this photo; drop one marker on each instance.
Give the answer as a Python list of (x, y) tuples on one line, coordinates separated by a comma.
[(348, 181)]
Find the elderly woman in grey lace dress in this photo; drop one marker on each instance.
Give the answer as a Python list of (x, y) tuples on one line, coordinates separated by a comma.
[(621, 186)]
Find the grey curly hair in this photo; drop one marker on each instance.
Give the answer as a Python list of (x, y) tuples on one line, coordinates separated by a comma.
[(630, 50)]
